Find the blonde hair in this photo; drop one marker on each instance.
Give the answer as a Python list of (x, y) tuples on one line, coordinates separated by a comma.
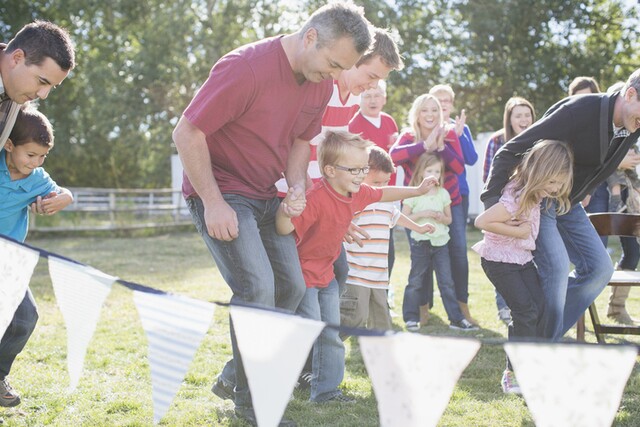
[(424, 161), (334, 146), (547, 159), (414, 114)]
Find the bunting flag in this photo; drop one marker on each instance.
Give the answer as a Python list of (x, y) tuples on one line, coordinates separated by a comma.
[(175, 326), (571, 385), (16, 268), (80, 292), (274, 347), (413, 375)]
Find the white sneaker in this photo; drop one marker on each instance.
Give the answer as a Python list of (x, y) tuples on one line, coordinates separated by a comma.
[(504, 314), (412, 326)]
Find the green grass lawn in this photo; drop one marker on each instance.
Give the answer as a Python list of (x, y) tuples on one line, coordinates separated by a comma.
[(115, 389)]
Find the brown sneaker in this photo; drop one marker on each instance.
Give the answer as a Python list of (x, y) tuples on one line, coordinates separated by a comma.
[(8, 396)]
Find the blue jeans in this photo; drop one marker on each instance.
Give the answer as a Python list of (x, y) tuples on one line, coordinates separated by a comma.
[(599, 202), (260, 266), (17, 333), (458, 252), (520, 287), (424, 256), (630, 253), (564, 239), (328, 351)]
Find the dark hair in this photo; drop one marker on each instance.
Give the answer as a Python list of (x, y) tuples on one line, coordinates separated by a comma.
[(384, 46), (42, 39), (512, 103), (31, 126), (583, 82), (380, 160), (336, 20)]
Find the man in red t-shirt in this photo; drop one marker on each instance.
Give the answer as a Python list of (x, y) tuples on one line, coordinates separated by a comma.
[(250, 122)]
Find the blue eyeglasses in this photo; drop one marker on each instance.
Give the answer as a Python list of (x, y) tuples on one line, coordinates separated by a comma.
[(353, 171)]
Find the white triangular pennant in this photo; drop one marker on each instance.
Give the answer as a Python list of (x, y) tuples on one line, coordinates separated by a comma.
[(271, 362), (571, 385), (175, 326), (80, 292), (16, 268), (413, 375)]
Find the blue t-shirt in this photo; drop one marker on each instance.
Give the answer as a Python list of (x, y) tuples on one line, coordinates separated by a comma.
[(16, 196)]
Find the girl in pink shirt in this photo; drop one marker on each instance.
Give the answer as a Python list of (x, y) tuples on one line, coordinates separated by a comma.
[(510, 230)]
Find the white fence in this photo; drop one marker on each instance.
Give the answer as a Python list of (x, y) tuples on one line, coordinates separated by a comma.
[(117, 209)]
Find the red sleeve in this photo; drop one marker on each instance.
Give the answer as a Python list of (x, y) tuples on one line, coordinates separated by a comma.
[(224, 96), (405, 149), (305, 221), (452, 153), (366, 196)]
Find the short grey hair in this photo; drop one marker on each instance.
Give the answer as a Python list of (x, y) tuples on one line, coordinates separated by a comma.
[(633, 81), (337, 20)]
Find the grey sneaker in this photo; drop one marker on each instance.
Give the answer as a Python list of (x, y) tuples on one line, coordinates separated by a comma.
[(504, 314), (463, 325), (223, 389), (8, 396), (412, 326)]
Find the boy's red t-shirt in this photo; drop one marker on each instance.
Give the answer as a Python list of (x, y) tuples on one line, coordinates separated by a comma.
[(321, 227)]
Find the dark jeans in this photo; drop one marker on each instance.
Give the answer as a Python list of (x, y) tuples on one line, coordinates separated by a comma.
[(423, 257), (521, 289), (17, 333)]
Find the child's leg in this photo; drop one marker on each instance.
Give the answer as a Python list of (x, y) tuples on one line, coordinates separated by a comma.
[(519, 286), (419, 268), (354, 306), (328, 351), (379, 316), (442, 266)]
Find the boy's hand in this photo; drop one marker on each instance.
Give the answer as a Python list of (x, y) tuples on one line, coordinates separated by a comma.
[(50, 204), (355, 234), (294, 202), (426, 228), (427, 184)]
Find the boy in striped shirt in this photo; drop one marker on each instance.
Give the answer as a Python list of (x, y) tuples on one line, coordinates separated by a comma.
[(364, 302)]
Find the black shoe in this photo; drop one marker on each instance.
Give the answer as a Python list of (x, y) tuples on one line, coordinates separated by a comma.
[(304, 381), (339, 398), (223, 389), (246, 413), (8, 396)]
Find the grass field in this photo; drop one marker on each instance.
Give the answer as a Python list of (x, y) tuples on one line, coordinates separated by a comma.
[(115, 389)]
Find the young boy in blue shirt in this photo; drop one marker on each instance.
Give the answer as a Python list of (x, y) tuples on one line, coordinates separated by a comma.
[(22, 183)]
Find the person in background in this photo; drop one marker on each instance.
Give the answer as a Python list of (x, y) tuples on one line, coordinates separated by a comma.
[(510, 230), (460, 213), (519, 114), (623, 185), (374, 125), (364, 301), (429, 251), (251, 120), (427, 132), (35, 61)]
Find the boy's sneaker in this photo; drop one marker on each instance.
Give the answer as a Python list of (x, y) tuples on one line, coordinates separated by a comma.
[(222, 389), (463, 325), (339, 398), (509, 383), (412, 326), (8, 396)]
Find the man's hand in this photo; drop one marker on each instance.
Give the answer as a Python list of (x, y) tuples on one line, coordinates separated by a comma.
[(294, 202), (221, 221), (355, 235)]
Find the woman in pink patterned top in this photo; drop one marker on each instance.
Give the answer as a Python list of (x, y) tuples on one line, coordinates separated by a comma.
[(511, 227)]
